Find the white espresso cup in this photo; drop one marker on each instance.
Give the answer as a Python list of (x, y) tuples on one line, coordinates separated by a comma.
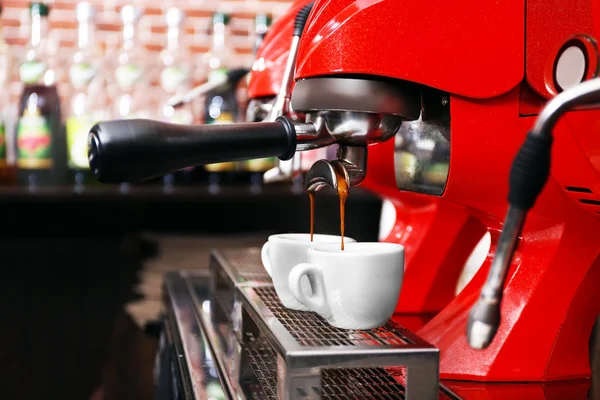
[(355, 288), (282, 252)]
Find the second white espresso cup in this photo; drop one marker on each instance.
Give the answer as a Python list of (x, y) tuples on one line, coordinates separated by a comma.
[(355, 288), (282, 252)]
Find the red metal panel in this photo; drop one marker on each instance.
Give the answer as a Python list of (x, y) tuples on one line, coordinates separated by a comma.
[(471, 48)]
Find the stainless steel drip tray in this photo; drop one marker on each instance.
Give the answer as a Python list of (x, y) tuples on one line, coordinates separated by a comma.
[(250, 362), (310, 354), (268, 351)]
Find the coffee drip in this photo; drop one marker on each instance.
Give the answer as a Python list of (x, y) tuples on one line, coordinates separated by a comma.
[(311, 197), (342, 192)]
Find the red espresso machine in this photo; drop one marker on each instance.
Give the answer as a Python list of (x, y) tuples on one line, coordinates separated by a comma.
[(460, 82), (491, 67), (421, 223)]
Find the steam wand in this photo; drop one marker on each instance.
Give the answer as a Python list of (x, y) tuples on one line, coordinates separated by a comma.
[(286, 169), (528, 175), (232, 76)]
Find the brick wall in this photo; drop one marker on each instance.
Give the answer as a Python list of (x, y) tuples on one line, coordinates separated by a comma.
[(63, 29)]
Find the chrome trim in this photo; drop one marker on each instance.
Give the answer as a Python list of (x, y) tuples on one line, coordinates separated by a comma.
[(193, 351), (360, 95), (422, 156)]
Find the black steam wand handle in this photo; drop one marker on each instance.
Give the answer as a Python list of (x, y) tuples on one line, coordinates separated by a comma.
[(528, 176), (138, 149)]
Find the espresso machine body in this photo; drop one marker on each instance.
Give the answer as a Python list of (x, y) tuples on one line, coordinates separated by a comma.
[(422, 222), (492, 66), (435, 109)]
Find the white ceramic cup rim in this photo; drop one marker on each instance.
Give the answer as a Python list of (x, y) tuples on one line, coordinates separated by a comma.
[(354, 249), (304, 238)]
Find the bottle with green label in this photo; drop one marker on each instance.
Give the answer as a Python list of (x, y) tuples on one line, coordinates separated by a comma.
[(132, 99), (87, 106), (176, 79), (39, 139), (220, 105), (6, 167)]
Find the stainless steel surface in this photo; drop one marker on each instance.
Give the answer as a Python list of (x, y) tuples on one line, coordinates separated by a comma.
[(345, 128), (347, 383), (258, 109), (271, 352), (422, 156), (284, 171), (242, 266), (312, 134), (354, 160), (306, 346), (192, 354), (585, 93), (484, 317), (351, 162), (281, 105), (310, 330), (325, 173), (359, 128), (353, 131), (402, 99)]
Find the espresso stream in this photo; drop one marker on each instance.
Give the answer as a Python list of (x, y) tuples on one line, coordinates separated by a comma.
[(342, 189), (311, 197)]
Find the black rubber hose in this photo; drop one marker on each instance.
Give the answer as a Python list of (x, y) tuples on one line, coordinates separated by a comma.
[(529, 171), (301, 18)]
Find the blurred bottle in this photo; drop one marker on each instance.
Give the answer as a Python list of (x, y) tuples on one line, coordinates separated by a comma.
[(262, 23), (40, 142), (132, 99), (176, 71), (87, 103), (255, 169), (221, 106), (7, 172), (175, 79)]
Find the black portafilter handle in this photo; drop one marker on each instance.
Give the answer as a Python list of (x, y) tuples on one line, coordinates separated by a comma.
[(138, 149)]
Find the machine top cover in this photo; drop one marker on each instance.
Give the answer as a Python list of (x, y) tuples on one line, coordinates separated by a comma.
[(470, 48)]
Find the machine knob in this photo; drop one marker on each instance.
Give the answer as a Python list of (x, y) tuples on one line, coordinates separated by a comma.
[(138, 149)]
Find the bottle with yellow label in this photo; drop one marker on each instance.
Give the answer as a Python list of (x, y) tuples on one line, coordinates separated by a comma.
[(40, 144)]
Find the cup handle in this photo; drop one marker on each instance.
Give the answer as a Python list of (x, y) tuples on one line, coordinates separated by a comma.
[(317, 301), (264, 255)]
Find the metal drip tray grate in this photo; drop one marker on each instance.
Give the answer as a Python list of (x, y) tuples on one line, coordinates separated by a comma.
[(348, 383), (316, 360), (263, 361), (309, 329), (243, 265), (360, 383), (277, 353)]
